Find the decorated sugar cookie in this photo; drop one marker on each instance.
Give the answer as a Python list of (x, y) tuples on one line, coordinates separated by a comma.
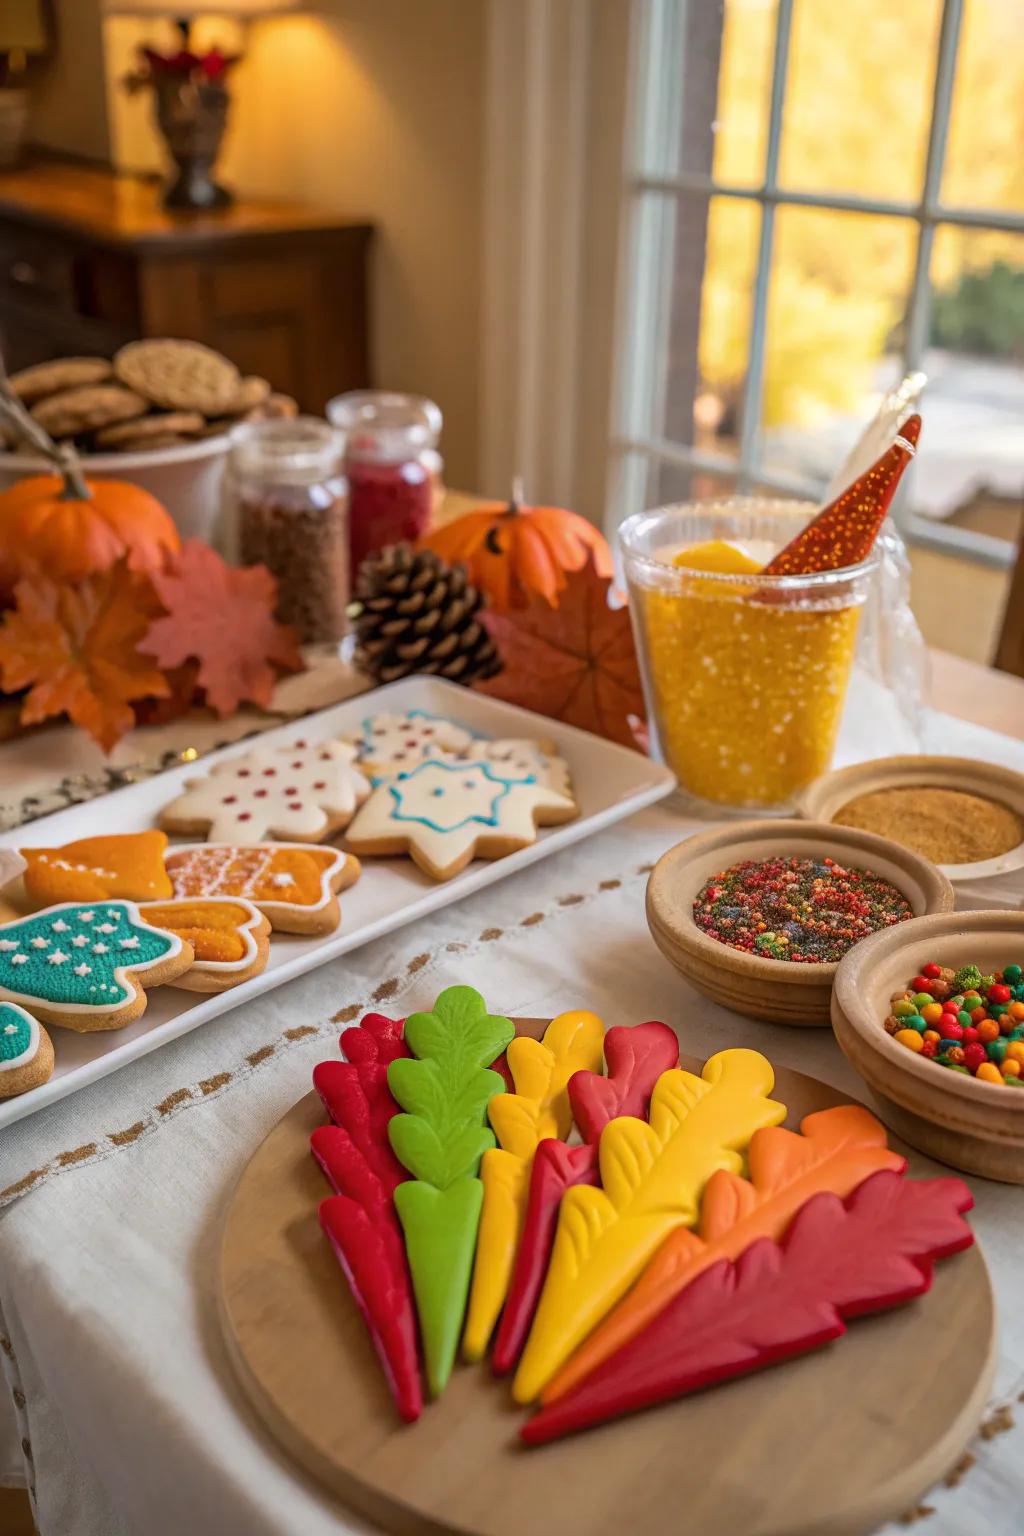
[(26, 1052), (523, 756), (128, 864), (444, 814), (230, 939), (85, 966), (304, 792), (392, 743), (293, 884)]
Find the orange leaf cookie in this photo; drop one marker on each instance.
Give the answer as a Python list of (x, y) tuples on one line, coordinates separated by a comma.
[(836, 1150), (129, 864), (292, 884), (230, 939)]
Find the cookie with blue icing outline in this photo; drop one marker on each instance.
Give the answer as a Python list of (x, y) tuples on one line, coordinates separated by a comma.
[(26, 1051), (86, 966), (444, 814)]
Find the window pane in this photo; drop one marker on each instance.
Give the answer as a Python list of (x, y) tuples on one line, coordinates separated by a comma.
[(984, 163), (704, 97), (858, 97), (972, 474), (744, 87), (675, 482), (837, 297), (708, 337)]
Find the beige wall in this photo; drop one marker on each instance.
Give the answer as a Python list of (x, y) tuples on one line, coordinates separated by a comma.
[(68, 101), (372, 107)]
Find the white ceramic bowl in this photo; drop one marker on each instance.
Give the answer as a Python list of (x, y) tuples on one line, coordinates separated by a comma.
[(187, 480)]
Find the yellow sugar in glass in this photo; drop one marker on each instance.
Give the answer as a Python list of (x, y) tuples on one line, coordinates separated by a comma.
[(746, 680)]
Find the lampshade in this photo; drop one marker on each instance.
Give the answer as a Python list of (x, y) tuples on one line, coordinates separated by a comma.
[(186, 9), (21, 26)]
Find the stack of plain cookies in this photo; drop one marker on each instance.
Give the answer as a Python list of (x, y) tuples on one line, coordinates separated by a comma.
[(153, 395)]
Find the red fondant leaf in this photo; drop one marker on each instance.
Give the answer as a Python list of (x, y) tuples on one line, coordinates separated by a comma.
[(576, 662), (223, 618), (838, 1260), (360, 1221), (636, 1057), (843, 532)]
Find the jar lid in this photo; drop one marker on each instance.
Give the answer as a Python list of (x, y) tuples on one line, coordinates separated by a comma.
[(381, 427), (304, 448)]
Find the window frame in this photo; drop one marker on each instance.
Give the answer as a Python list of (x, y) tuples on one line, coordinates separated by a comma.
[(635, 450)]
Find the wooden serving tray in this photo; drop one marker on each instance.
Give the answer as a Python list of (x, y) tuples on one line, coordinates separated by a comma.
[(836, 1441)]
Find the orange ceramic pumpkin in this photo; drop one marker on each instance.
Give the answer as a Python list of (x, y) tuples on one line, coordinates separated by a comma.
[(69, 528), (511, 551)]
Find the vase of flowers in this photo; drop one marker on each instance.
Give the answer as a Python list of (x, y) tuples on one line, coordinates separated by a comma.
[(191, 99)]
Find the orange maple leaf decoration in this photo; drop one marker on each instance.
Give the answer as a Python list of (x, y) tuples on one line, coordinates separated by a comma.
[(75, 647), (576, 662), (222, 618)]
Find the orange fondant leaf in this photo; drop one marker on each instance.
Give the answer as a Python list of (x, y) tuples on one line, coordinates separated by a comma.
[(76, 649), (576, 662), (836, 1150), (222, 618)]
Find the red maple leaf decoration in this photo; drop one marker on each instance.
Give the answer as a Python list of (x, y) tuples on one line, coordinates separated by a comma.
[(576, 662), (221, 617)]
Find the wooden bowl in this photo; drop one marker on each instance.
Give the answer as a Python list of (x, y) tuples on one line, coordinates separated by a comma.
[(977, 1127), (825, 798), (780, 991)]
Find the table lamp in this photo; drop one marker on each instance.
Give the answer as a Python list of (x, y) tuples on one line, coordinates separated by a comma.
[(190, 92), (21, 32)]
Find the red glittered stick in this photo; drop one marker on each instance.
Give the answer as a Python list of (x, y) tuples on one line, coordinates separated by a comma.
[(838, 1260), (636, 1056), (843, 532), (360, 1218)]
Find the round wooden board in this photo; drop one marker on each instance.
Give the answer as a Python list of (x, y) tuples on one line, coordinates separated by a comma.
[(835, 1442)]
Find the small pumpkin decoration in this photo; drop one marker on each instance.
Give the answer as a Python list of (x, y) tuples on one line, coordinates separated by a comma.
[(68, 527), (512, 551)]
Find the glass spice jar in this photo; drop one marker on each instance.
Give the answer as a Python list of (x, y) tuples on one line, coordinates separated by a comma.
[(291, 508), (392, 466)]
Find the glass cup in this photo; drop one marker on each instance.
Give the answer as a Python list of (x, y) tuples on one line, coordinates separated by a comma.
[(744, 675)]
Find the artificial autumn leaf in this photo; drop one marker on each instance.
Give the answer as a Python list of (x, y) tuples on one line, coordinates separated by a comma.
[(576, 662), (76, 648), (221, 617)]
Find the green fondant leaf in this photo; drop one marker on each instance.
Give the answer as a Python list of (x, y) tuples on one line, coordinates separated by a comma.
[(441, 1138)]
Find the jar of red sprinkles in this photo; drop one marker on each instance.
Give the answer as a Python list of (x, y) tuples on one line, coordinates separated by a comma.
[(392, 466)]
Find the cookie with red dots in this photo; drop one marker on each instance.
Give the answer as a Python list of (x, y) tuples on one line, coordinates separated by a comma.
[(301, 793), (387, 744)]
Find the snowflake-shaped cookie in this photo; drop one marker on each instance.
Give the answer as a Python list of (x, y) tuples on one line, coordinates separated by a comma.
[(389, 744), (304, 792), (445, 813)]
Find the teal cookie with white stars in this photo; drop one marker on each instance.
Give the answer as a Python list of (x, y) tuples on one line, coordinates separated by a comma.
[(85, 965), (26, 1051)]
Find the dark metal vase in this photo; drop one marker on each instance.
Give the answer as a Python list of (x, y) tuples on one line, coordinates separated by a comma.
[(192, 117)]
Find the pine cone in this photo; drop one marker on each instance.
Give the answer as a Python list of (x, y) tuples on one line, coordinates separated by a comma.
[(414, 612)]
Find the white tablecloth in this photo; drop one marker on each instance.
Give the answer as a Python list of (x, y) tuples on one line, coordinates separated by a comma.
[(123, 1413)]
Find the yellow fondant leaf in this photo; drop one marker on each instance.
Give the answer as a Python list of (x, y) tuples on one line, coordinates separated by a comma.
[(652, 1178), (539, 1108)]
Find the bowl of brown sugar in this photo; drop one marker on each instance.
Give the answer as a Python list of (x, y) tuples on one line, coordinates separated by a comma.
[(967, 817)]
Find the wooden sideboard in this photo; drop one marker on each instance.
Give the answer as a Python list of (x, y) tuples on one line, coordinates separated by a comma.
[(89, 260)]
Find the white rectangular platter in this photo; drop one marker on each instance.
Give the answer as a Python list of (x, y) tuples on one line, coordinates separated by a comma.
[(610, 782)]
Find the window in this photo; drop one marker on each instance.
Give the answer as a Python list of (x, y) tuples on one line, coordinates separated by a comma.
[(821, 198)]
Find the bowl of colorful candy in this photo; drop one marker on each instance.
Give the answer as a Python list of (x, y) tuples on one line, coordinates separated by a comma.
[(758, 915), (932, 1017)]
